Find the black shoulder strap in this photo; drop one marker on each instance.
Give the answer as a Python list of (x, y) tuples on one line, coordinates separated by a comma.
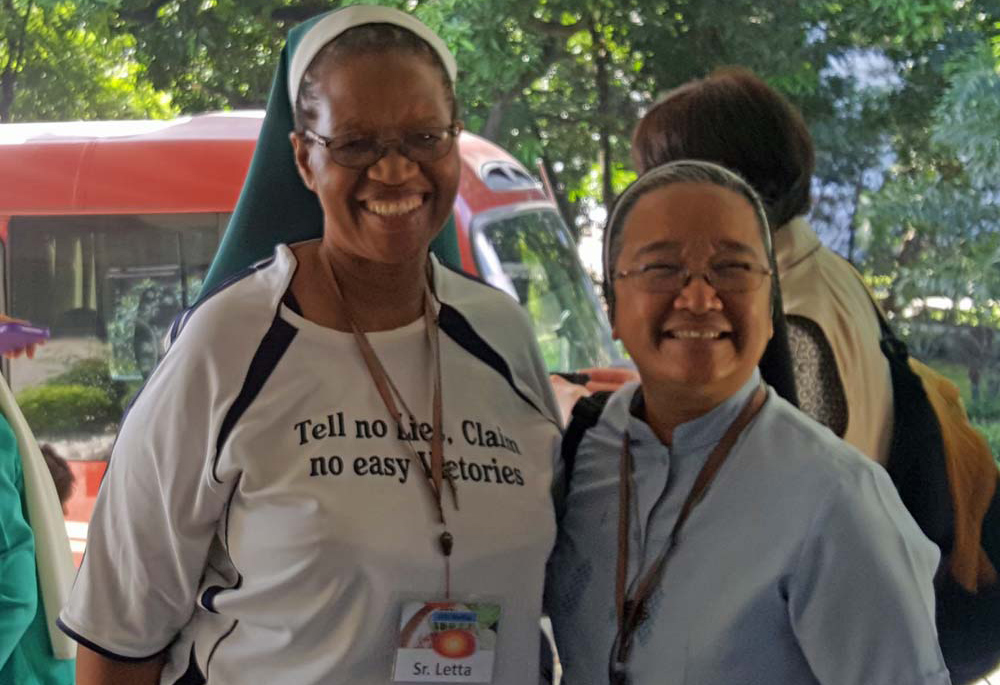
[(586, 412), (893, 348), (777, 367), (888, 335), (917, 462)]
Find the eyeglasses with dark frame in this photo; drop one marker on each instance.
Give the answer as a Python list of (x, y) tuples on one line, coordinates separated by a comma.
[(420, 145), (724, 277)]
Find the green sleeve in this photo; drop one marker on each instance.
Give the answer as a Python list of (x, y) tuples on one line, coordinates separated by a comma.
[(18, 583)]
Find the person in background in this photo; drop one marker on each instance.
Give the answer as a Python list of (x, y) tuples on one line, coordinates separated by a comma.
[(345, 440), (62, 476), (709, 531), (734, 119), (26, 652)]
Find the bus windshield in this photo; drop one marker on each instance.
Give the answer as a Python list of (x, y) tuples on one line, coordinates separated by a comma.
[(531, 256)]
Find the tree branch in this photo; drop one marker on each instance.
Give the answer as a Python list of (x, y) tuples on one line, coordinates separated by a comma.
[(144, 15), (553, 29), (302, 11), (558, 118), (494, 119)]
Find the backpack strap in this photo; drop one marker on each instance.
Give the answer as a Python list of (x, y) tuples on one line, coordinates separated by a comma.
[(777, 367), (888, 334), (916, 452), (586, 412)]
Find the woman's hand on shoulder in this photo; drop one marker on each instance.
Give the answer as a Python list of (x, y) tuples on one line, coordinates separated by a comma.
[(609, 378), (567, 393), (597, 379)]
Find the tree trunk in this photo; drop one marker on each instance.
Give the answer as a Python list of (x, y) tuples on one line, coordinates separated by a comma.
[(603, 117), (913, 246), (15, 62), (7, 80), (851, 231), (562, 202), (494, 121)]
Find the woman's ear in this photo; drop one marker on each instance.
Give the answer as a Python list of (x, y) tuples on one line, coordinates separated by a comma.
[(301, 153)]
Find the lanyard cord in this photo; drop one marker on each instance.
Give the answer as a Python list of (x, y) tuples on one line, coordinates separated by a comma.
[(389, 393), (631, 610)]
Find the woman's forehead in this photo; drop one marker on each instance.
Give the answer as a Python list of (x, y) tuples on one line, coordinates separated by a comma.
[(680, 248), (681, 216), (359, 66), (388, 89)]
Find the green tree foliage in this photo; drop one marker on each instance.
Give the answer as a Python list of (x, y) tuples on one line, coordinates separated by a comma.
[(934, 225), (208, 54), (564, 80), (559, 82), (902, 95), (968, 115), (64, 60), (935, 236)]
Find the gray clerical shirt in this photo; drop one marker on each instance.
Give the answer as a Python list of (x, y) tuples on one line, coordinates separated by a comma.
[(800, 566)]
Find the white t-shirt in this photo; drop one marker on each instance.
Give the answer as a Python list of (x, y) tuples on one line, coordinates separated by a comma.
[(262, 519)]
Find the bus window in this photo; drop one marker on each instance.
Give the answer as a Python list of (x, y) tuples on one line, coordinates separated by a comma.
[(540, 268), (108, 287)]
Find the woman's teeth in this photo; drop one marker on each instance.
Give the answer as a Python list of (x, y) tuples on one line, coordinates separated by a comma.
[(699, 335), (393, 207)]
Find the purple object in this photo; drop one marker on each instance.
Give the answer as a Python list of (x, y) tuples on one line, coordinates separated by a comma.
[(16, 336)]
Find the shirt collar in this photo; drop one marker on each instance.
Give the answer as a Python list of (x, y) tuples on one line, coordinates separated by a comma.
[(697, 434), (793, 242)]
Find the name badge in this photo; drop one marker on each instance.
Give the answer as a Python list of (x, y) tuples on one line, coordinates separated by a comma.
[(446, 642)]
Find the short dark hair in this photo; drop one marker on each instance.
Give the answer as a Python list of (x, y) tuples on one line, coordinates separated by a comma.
[(362, 40), (736, 120), (62, 476)]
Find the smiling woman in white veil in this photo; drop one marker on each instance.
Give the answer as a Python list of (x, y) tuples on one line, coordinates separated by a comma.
[(305, 491)]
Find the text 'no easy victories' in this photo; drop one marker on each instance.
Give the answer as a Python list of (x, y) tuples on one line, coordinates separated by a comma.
[(335, 426)]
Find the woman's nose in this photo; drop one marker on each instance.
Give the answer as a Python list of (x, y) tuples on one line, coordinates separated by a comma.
[(394, 168), (698, 296)]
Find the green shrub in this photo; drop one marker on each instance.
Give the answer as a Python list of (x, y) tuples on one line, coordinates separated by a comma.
[(94, 372), (984, 411), (992, 433), (65, 410)]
